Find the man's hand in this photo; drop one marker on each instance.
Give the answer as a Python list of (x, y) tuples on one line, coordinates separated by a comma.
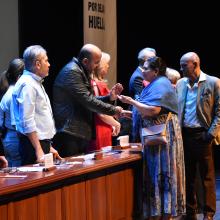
[(126, 114), (116, 129), (119, 109), (40, 155), (3, 162), (55, 153), (115, 91)]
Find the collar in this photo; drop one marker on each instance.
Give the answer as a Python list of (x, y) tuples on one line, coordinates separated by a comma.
[(34, 76), (202, 77), (80, 65)]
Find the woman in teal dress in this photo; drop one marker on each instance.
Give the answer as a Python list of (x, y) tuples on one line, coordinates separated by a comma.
[(164, 171)]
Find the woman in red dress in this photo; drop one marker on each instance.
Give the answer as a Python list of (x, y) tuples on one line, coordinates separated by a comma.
[(106, 126)]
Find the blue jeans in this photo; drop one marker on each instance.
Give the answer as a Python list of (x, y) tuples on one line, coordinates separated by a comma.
[(11, 148)]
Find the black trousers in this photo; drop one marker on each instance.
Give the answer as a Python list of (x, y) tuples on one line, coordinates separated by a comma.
[(68, 145), (199, 152), (27, 150)]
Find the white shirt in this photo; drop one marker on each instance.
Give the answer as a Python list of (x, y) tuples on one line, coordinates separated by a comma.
[(32, 107), (6, 110), (190, 116)]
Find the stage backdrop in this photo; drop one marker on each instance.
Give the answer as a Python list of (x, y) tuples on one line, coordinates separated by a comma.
[(100, 29), (9, 41)]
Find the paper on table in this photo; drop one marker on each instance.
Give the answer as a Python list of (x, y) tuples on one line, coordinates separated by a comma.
[(106, 149), (73, 162), (83, 157), (48, 160), (13, 176), (31, 169)]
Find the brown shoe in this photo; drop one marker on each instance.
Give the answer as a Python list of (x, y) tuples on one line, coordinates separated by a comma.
[(208, 217)]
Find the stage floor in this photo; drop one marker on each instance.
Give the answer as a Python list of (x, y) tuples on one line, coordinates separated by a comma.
[(217, 215)]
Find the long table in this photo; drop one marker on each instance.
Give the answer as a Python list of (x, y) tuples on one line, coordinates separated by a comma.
[(104, 189)]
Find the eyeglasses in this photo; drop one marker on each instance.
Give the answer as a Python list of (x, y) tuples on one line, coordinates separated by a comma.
[(144, 69)]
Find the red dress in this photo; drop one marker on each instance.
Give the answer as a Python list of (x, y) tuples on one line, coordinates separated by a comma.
[(103, 130)]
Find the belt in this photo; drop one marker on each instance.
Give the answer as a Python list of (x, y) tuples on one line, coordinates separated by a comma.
[(194, 130), (20, 135)]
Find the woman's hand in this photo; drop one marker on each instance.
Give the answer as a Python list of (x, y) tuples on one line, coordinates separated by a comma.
[(125, 99)]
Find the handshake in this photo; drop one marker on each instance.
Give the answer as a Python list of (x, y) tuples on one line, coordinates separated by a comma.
[(121, 113), (126, 114), (115, 93)]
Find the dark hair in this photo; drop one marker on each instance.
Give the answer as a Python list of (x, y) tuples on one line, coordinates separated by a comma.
[(3, 84), (15, 69), (157, 63)]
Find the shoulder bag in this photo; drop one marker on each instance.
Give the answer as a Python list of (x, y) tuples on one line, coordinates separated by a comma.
[(156, 134)]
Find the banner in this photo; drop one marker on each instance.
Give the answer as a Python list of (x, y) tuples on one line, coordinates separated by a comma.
[(100, 29)]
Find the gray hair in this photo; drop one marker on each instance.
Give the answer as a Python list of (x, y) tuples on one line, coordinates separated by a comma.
[(105, 57), (104, 60), (146, 53), (173, 75), (31, 54)]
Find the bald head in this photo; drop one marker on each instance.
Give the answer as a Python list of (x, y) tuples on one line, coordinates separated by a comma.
[(90, 56), (191, 56), (88, 51), (190, 65)]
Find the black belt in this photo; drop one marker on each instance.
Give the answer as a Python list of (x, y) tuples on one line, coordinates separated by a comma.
[(20, 135), (194, 130)]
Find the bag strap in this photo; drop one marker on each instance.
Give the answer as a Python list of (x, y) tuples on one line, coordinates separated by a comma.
[(168, 117), (167, 120)]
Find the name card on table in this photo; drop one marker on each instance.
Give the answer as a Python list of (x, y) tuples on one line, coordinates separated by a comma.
[(48, 160), (123, 140)]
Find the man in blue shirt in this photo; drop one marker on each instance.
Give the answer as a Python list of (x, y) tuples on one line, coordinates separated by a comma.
[(199, 116)]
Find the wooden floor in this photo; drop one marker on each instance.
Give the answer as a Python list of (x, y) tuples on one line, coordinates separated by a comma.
[(217, 215)]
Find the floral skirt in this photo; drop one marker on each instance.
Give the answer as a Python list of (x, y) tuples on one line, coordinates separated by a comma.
[(164, 174)]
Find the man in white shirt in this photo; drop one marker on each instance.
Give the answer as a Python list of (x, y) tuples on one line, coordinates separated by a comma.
[(32, 109)]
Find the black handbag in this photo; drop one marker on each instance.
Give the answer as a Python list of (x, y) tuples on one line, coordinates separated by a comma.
[(156, 134)]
